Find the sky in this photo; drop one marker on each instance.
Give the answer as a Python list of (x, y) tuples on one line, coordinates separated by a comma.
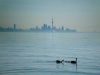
[(82, 15)]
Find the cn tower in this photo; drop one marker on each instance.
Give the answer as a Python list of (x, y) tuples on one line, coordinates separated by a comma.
[(52, 23)]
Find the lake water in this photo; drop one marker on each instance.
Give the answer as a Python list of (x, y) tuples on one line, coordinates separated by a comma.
[(36, 53)]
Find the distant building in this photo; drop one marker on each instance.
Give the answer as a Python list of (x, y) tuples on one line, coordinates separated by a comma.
[(49, 27), (62, 28), (67, 29), (14, 26), (37, 28), (44, 27)]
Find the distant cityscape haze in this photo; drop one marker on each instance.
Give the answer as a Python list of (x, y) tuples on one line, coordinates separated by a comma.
[(44, 28), (82, 15)]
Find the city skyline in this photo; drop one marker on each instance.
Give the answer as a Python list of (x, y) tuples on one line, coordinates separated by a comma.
[(82, 15), (44, 28)]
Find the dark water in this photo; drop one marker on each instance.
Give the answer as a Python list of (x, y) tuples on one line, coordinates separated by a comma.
[(36, 53)]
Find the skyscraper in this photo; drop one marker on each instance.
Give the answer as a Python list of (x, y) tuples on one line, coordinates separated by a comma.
[(62, 28), (14, 26)]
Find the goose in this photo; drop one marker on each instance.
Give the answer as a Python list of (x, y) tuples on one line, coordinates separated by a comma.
[(58, 61), (74, 62)]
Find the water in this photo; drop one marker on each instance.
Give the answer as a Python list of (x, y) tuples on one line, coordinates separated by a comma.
[(36, 53)]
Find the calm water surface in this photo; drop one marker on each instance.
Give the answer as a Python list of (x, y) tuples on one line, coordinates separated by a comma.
[(36, 53)]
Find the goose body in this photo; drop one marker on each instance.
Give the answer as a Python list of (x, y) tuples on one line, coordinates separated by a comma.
[(58, 61), (74, 62)]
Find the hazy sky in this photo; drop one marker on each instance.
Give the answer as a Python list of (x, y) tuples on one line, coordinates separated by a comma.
[(82, 15)]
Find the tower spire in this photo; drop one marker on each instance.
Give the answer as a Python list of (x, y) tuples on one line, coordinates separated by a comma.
[(52, 22)]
